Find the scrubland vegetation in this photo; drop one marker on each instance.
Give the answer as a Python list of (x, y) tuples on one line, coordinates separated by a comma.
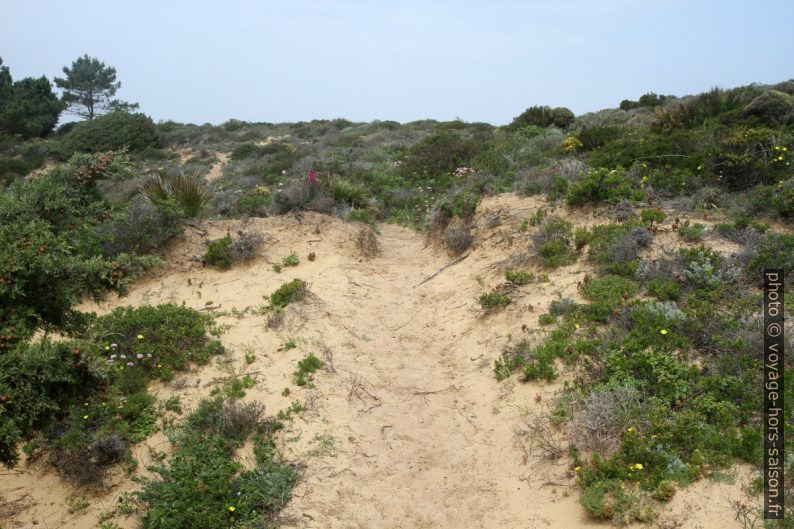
[(661, 362)]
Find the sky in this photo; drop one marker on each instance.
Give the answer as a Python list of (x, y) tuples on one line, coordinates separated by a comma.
[(480, 61)]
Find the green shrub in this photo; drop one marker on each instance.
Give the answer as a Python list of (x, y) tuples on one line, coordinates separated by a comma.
[(775, 251), (522, 277), (88, 395), (438, 155), (615, 248), (462, 204), (603, 185), (542, 116), (291, 260), (50, 247), (650, 217), (95, 436), (288, 293), (140, 227), (352, 193), (512, 359), (203, 485), (664, 289), (607, 293), (491, 301), (113, 132), (306, 367), (254, 204), (219, 253), (693, 111), (706, 269), (773, 107), (609, 500), (157, 340), (554, 242), (188, 191), (693, 233), (743, 157), (597, 136), (38, 381)]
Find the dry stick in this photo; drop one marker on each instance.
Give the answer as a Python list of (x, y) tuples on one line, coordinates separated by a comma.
[(456, 261), (407, 322), (433, 392)]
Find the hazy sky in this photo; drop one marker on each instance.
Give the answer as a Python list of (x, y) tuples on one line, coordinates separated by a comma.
[(200, 61)]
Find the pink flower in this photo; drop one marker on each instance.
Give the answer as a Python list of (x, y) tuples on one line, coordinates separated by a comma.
[(312, 177)]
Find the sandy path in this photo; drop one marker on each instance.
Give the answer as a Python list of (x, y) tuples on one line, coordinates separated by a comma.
[(416, 407)]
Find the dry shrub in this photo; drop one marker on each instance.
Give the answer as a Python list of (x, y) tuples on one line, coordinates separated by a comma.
[(246, 245), (301, 194), (241, 419), (623, 210), (275, 319), (367, 243), (544, 435), (84, 462), (600, 416), (457, 237)]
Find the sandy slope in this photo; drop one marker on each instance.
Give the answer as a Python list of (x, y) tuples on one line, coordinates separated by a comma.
[(407, 426)]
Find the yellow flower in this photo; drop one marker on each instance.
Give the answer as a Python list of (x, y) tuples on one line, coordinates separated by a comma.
[(785, 149), (780, 158), (576, 325), (663, 331), (577, 469), (638, 466), (630, 430), (85, 416), (140, 337), (159, 365), (107, 348), (232, 508)]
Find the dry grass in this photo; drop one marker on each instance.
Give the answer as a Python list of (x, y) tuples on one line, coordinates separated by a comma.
[(367, 243)]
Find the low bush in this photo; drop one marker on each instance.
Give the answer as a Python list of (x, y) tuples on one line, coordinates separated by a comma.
[(706, 269), (458, 237), (141, 227), (203, 485), (522, 277), (305, 369), (188, 191), (88, 395), (287, 293), (219, 253), (603, 185), (650, 217), (554, 242), (692, 233), (607, 293), (113, 132), (491, 301), (155, 341), (775, 251), (224, 252), (615, 248), (664, 289)]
